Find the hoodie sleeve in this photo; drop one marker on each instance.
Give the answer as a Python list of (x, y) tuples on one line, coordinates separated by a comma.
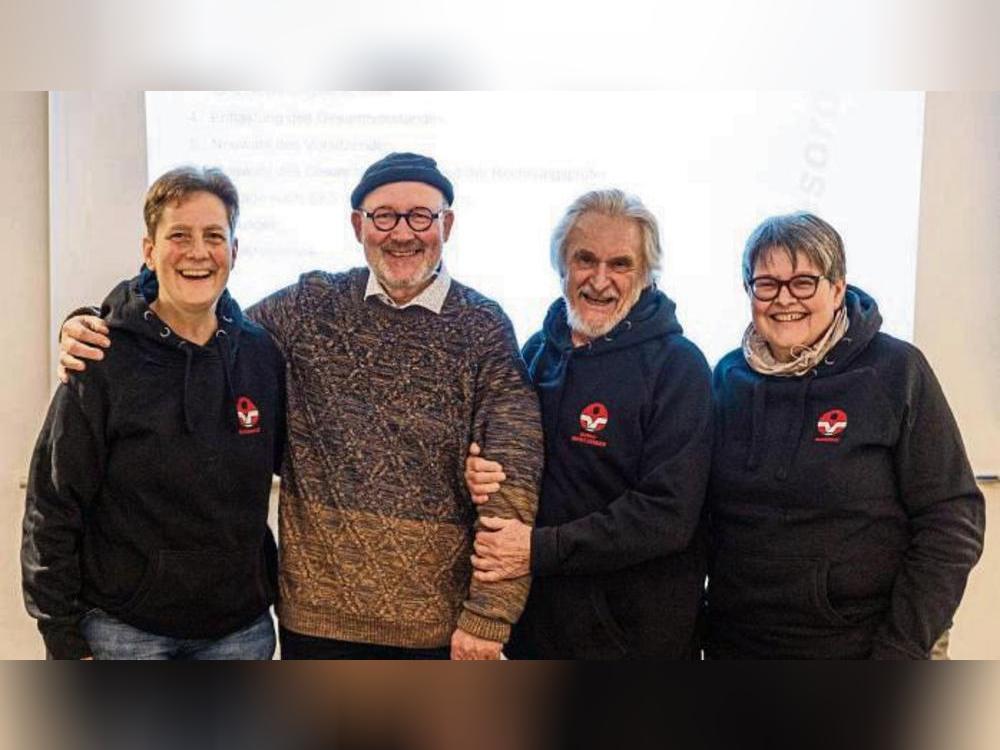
[(659, 515), (507, 423), (66, 470), (947, 520)]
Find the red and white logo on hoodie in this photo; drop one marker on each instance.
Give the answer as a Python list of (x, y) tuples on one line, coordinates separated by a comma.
[(246, 412), (594, 417), (831, 425)]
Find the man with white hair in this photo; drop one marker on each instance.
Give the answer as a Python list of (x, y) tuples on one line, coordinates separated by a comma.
[(618, 566)]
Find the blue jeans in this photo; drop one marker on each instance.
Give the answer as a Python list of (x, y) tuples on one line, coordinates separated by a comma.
[(112, 639)]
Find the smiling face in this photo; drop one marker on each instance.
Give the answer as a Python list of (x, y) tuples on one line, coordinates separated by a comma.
[(192, 253), (786, 322), (604, 273), (403, 260)]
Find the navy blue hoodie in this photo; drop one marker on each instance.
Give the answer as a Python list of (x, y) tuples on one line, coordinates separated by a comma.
[(845, 517), (149, 483), (628, 433)]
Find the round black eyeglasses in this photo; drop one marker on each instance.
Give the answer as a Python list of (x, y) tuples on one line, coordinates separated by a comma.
[(385, 219)]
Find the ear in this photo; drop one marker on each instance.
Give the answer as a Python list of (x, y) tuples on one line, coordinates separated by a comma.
[(236, 249), (839, 290), (447, 220), (147, 253), (356, 219)]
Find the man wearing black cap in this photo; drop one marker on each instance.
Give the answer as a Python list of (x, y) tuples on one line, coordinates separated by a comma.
[(391, 371), (402, 218)]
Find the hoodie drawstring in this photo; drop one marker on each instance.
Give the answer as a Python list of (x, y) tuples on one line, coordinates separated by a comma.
[(188, 419), (222, 341), (793, 435), (796, 425), (757, 423)]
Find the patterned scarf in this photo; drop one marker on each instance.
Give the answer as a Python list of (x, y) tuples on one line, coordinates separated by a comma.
[(804, 357)]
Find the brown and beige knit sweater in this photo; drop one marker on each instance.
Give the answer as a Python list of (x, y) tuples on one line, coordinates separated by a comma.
[(376, 525)]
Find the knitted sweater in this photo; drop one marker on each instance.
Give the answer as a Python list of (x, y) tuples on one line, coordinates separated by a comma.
[(376, 525)]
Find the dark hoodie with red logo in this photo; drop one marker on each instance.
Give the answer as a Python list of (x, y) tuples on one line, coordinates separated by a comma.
[(845, 518), (149, 484), (618, 567)]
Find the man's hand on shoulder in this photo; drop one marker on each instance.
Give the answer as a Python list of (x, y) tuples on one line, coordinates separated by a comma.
[(82, 337), (467, 647)]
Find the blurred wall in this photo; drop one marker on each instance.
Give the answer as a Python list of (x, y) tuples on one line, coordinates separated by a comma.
[(958, 314), (24, 288), (71, 192), (97, 168)]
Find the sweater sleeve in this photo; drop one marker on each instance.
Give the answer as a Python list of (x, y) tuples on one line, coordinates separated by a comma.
[(507, 423), (66, 470), (281, 313), (659, 515), (947, 520)]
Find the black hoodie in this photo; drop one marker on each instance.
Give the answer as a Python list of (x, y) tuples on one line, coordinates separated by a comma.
[(845, 517), (149, 483), (627, 422)]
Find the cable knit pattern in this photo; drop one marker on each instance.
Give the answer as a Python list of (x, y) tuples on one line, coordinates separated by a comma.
[(376, 524)]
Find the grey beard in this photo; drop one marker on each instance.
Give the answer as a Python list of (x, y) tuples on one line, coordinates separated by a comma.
[(580, 326)]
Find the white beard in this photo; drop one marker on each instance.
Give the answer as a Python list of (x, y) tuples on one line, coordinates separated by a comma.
[(591, 331)]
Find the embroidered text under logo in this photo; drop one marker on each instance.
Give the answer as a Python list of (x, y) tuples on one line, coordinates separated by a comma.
[(831, 425), (249, 417)]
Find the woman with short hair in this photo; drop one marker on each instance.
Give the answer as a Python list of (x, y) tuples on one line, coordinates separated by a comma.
[(844, 515), (145, 529)]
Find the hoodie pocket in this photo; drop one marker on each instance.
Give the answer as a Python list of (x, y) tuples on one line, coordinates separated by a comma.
[(823, 596), (771, 592), (199, 593)]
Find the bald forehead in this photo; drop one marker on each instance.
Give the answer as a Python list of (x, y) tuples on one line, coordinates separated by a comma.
[(404, 196)]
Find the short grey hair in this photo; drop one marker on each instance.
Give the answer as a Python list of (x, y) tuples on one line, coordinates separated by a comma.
[(797, 234), (612, 202)]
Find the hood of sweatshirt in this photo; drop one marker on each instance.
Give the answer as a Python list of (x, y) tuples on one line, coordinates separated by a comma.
[(865, 321), (127, 308), (652, 316)]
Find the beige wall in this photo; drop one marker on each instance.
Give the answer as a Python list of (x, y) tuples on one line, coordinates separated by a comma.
[(71, 189), (958, 314), (97, 158), (24, 288)]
